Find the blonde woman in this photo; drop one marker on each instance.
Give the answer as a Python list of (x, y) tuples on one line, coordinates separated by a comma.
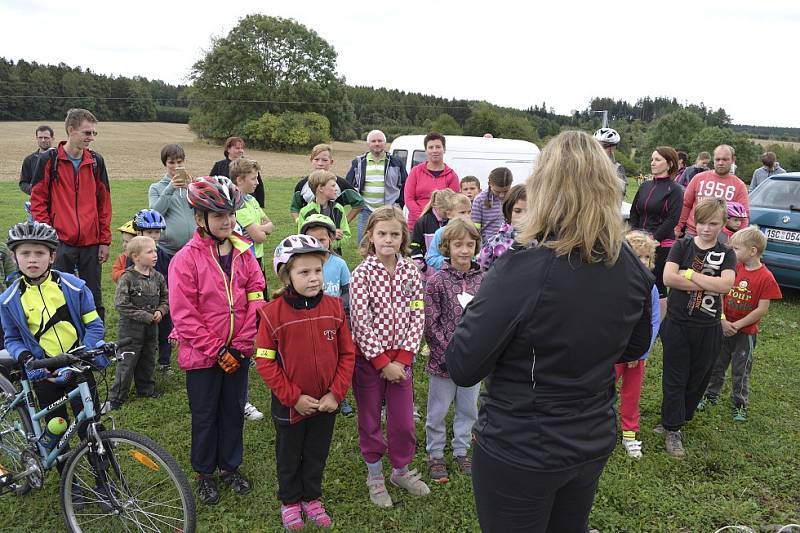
[(546, 328)]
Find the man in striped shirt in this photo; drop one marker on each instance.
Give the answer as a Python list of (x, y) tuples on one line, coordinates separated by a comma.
[(378, 176)]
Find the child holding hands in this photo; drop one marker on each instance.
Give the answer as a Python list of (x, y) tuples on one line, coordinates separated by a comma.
[(388, 317), (305, 354)]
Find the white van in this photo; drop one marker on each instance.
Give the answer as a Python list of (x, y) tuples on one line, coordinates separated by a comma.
[(472, 156)]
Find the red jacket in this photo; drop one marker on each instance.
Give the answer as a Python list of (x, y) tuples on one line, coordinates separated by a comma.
[(77, 205), (303, 346)]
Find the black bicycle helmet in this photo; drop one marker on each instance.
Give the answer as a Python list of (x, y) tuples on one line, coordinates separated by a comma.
[(32, 232)]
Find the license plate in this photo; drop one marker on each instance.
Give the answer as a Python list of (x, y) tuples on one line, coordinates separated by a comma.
[(784, 235)]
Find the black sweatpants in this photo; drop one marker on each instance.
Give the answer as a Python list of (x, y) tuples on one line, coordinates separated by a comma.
[(216, 401), (511, 499), (85, 258), (689, 356), (164, 347), (658, 269), (301, 451)]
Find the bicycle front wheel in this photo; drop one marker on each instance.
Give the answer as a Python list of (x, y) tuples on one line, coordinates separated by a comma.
[(135, 485), (15, 427)]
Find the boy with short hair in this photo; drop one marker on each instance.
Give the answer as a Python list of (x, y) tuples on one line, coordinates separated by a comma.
[(470, 187), (46, 312), (323, 185), (127, 233), (698, 270), (253, 220), (745, 305), (142, 302)]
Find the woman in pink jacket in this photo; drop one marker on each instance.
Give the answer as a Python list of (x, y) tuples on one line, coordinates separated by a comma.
[(427, 177), (216, 288)]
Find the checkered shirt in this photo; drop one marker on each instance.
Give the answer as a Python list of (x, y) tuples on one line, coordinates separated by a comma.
[(387, 312)]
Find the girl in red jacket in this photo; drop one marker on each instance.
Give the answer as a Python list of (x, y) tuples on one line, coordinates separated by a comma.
[(305, 354), (388, 316)]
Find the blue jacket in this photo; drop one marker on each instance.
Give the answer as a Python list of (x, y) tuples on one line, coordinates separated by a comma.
[(82, 312)]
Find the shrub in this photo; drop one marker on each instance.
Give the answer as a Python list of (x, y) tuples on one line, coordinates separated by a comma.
[(176, 115), (288, 131)]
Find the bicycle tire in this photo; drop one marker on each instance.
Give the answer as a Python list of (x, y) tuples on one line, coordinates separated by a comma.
[(114, 501), (14, 440)]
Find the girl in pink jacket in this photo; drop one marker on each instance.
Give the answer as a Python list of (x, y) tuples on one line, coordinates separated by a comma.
[(216, 288)]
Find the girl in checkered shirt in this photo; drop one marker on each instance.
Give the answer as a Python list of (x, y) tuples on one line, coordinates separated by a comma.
[(388, 317)]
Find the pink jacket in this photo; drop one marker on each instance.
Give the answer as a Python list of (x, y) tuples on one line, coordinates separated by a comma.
[(208, 311), (419, 186)]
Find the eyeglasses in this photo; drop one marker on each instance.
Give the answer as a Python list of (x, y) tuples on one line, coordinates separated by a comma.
[(87, 133)]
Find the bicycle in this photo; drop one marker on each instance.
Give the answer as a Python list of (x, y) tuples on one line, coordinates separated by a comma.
[(114, 480)]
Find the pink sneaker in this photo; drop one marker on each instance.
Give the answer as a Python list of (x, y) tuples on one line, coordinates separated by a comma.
[(316, 513), (290, 515)]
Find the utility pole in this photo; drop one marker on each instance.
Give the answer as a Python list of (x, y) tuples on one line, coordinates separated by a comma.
[(605, 118)]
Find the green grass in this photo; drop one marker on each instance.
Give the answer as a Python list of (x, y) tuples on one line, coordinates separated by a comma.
[(733, 474)]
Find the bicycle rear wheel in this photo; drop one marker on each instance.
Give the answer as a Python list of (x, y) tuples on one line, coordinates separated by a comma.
[(135, 486), (15, 427)]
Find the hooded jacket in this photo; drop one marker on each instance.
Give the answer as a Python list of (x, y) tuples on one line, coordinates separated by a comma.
[(76, 203), (208, 309), (544, 333), (443, 310), (421, 184), (303, 347), (394, 176)]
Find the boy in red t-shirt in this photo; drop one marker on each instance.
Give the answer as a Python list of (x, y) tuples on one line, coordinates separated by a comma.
[(746, 304)]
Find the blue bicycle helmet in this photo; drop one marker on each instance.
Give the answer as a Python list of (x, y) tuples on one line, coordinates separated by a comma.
[(148, 219)]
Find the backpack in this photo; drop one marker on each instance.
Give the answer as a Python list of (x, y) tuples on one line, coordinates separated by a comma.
[(53, 156)]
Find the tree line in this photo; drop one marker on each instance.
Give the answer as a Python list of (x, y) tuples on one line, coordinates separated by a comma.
[(274, 82)]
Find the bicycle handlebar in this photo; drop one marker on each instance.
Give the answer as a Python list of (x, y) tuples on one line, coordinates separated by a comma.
[(81, 354)]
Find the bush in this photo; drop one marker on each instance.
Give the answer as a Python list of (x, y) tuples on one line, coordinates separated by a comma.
[(288, 131), (176, 115)]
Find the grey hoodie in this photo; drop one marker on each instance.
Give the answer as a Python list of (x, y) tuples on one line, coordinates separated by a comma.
[(174, 207)]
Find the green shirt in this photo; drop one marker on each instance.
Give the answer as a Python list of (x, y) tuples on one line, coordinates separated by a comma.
[(374, 182), (251, 213)]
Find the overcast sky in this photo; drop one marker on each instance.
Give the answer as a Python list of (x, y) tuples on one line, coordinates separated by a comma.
[(740, 55)]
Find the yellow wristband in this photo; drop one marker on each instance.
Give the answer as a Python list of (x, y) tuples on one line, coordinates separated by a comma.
[(688, 274), (722, 316)]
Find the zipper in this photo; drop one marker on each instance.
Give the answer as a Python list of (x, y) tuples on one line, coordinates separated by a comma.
[(76, 179), (228, 289)]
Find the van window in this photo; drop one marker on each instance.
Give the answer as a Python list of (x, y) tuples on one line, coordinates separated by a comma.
[(402, 155), (419, 157)]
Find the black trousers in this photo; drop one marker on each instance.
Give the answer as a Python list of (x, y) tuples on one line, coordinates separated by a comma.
[(164, 347), (301, 451), (48, 392), (84, 258), (658, 269), (138, 366), (511, 499), (689, 357), (216, 401)]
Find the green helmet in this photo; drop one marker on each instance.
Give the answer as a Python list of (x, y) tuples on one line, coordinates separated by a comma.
[(318, 221)]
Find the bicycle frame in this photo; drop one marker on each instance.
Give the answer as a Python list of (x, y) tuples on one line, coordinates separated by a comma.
[(25, 396)]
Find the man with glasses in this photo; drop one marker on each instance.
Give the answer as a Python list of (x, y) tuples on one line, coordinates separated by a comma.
[(70, 192), (44, 138)]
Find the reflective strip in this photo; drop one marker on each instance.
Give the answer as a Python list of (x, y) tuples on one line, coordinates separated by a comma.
[(417, 304), (90, 316), (264, 353), (255, 296)]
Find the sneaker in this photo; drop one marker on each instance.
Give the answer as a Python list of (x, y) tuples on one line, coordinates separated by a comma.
[(315, 512), (674, 444), (291, 517), (377, 492), (411, 480), (464, 464), (237, 482), (347, 409), (740, 414), (165, 369), (425, 351), (633, 447), (659, 430), (251, 412), (417, 415), (437, 470), (707, 401), (207, 490)]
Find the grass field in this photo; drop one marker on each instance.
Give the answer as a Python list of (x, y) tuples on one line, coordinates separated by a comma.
[(733, 473), (767, 142)]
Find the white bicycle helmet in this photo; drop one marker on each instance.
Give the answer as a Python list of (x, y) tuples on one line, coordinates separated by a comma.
[(295, 244), (607, 136)]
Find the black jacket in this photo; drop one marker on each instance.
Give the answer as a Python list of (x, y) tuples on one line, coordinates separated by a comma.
[(222, 168), (27, 172), (545, 333), (656, 208)]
